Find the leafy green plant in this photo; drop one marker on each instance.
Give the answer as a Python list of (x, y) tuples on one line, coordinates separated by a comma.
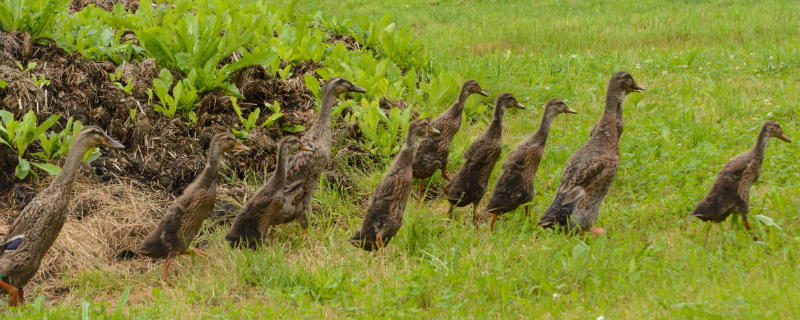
[(380, 129), (88, 32), (247, 123), (34, 16), (40, 81), (275, 107), (184, 95), (18, 135), (116, 79), (3, 84)]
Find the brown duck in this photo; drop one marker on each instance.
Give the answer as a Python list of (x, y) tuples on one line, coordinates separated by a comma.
[(590, 170), (731, 190), (183, 219), (388, 203), (261, 212), (515, 185), (33, 232), (434, 150), (469, 184), (305, 168)]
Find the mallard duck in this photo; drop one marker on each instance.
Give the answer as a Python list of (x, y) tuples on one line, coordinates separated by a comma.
[(183, 219), (33, 232), (434, 150), (590, 170), (261, 212), (305, 168), (388, 203), (731, 190), (469, 184), (515, 185)]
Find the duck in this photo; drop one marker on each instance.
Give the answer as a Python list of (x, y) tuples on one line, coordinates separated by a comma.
[(305, 168), (514, 187), (34, 231), (731, 190), (590, 171), (387, 204), (183, 219), (261, 212), (434, 151), (469, 184)]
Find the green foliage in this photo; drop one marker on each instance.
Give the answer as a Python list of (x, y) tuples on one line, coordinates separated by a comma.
[(379, 129), (275, 108), (3, 84), (87, 32), (184, 95), (34, 16), (247, 123), (19, 135), (40, 81), (116, 79)]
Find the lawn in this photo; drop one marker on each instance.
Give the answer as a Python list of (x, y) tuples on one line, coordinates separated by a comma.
[(714, 72)]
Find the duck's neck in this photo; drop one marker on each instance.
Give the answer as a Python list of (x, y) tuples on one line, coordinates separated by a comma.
[(406, 155), (608, 126), (71, 166), (211, 171), (540, 136), (761, 144), (323, 121), (278, 179), (496, 127), (458, 107)]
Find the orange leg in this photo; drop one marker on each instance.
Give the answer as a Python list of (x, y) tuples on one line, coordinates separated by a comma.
[(13, 294), (379, 242), (475, 215), (491, 222), (527, 211), (22, 296), (597, 231), (166, 270), (196, 252), (444, 175), (304, 233), (749, 228), (421, 190)]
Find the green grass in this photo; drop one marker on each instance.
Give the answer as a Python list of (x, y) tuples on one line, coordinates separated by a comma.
[(715, 70)]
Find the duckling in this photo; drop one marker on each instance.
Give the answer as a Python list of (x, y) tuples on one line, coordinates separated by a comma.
[(469, 183), (305, 168), (388, 203), (261, 212), (515, 185), (34, 231), (731, 190), (434, 150), (590, 170), (183, 219)]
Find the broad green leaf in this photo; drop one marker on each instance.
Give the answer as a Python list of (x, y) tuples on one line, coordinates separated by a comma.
[(51, 169)]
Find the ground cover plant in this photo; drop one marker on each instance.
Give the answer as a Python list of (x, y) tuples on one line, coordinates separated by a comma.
[(714, 71)]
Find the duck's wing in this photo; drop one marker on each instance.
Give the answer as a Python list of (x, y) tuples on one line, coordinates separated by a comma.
[(583, 177), (11, 244), (170, 228), (749, 176)]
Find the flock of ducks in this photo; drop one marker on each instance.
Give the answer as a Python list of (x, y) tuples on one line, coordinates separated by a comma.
[(286, 196)]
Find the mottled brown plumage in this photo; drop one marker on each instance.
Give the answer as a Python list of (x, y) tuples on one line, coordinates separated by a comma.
[(183, 219), (514, 187), (434, 150), (262, 211), (590, 170), (731, 190), (387, 205), (469, 184), (305, 168), (33, 232)]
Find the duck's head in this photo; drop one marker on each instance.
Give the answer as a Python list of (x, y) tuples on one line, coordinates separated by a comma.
[(339, 85), (623, 81), (421, 127), (292, 144), (558, 106), (506, 101), (227, 141), (93, 136), (473, 87), (774, 130)]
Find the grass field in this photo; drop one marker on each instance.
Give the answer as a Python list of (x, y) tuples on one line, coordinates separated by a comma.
[(715, 70)]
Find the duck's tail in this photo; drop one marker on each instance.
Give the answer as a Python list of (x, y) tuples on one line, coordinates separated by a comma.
[(153, 247), (244, 231), (558, 214)]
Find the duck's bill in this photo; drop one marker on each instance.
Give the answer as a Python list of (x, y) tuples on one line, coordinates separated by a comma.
[(570, 110), (112, 143), (433, 130), (356, 88), (242, 147), (638, 88), (306, 148), (519, 106), (784, 138), (483, 93)]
